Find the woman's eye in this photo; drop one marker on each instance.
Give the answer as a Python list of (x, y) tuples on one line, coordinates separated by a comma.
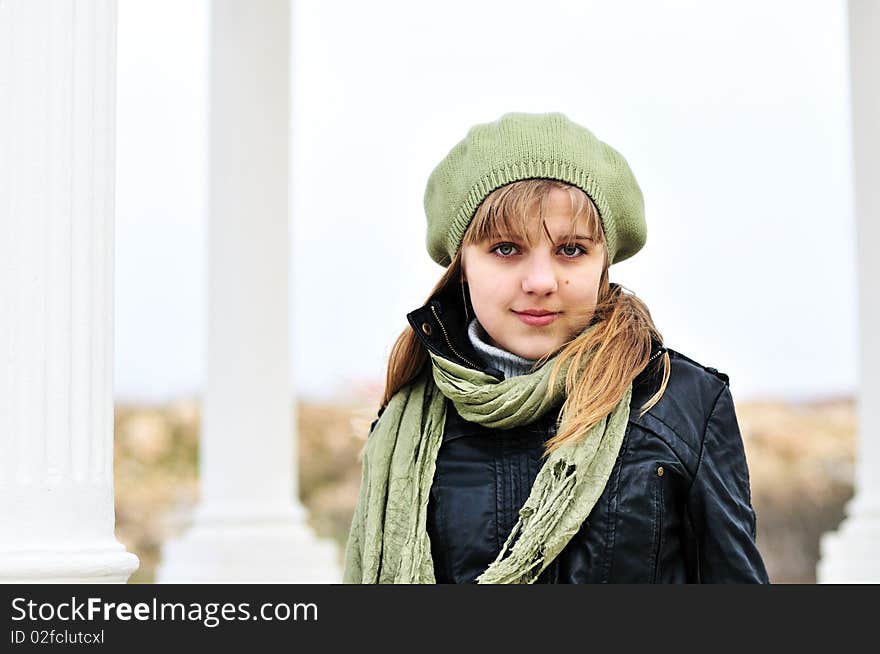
[(576, 249), (498, 249)]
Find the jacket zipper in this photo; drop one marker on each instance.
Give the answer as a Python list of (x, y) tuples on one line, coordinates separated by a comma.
[(448, 342)]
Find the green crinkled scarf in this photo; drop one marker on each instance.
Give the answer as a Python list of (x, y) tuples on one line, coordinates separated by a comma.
[(388, 541)]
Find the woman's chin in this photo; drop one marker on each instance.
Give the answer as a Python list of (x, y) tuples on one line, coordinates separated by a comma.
[(534, 350)]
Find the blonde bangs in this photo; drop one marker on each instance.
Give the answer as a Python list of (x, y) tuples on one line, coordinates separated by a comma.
[(508, 212)]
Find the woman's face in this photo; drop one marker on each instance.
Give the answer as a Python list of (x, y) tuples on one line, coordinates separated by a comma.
[(507, 278)]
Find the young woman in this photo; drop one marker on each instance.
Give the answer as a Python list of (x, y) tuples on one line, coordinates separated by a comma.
[(534, 427)]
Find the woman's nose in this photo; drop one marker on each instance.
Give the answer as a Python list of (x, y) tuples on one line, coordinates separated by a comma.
[(539, 276)]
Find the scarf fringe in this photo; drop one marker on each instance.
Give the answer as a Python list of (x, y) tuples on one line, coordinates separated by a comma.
[(527, 558)]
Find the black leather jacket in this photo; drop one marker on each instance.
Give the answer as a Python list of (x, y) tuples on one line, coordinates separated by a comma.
[(676, 509)]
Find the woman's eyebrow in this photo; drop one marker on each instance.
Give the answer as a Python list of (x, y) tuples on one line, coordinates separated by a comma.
[(576, 237)]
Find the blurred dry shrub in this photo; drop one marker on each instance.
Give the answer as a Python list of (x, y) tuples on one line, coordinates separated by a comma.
[(800, 459), (801, 462), (155, 460)]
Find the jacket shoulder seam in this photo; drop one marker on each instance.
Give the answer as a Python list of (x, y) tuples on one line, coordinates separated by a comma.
[(703, 439), (656, 414)]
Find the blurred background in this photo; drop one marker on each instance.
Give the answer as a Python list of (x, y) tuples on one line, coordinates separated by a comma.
[(733, 116)]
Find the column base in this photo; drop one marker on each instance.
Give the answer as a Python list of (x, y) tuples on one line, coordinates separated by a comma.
[(852, 553), (230, 547), (101, 564)]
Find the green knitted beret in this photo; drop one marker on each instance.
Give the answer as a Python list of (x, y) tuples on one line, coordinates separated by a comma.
[(522, 146)]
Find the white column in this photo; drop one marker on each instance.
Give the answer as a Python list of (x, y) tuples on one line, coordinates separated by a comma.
[(852, 554), (249, 525), (57, 122)]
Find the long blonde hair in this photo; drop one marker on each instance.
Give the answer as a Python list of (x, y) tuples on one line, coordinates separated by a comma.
[(617, 350)]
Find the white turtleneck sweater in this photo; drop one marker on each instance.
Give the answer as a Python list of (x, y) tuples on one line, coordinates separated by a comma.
[(509, 363)]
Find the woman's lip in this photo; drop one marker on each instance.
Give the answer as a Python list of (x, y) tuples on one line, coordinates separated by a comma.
[(536, 321)]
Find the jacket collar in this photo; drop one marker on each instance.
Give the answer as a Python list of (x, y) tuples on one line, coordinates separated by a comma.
[(441, 326)]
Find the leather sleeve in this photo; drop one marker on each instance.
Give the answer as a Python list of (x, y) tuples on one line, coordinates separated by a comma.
[(719, 503)]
